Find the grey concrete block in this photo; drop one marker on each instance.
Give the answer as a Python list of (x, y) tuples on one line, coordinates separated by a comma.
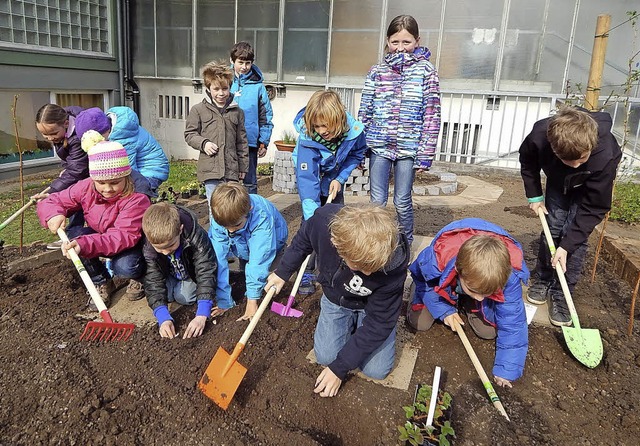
[(419, 190), (433, 190), (356, 173), (362, 193), (448, 177), (366, 187), (356, 187), (448, 188), (361, 180)]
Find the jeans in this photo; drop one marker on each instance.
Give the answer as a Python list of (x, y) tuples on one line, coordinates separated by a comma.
[(128, 264), (562, 212), (403, 174), (209, 187), (181, 291), (251, 178), (336, 325)]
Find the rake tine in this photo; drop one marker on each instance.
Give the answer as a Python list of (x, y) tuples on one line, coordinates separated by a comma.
[(128, 332), (82, 336)]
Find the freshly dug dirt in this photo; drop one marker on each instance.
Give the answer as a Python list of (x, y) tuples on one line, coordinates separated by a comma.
[(57, 389)]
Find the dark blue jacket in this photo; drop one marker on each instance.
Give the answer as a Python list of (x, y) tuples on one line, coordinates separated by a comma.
[(436, 282), (251, 95), (317, 166), (381, 307)]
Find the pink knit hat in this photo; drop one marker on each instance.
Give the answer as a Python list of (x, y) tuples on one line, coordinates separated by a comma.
[(108, 160)]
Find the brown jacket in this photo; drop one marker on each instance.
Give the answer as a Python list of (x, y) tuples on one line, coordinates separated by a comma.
[(225, 129)]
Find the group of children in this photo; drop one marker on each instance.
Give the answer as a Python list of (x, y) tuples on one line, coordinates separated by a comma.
[(361, 253)]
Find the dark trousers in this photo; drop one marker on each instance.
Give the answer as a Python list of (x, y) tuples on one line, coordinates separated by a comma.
[(251, 178), (311, 266), (562, 212), (128, 264)]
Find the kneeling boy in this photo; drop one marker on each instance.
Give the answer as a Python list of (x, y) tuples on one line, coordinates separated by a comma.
[(476, 266), (362, 258), (181, 266)]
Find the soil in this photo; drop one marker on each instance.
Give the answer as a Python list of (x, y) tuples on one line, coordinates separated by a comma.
[(57, 389)]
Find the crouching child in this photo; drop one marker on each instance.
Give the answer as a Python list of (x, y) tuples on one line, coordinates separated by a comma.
[(362, 258), (475, 266), (181, 266)]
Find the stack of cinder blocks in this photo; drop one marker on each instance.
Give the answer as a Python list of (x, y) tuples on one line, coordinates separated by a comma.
[(284, 179)]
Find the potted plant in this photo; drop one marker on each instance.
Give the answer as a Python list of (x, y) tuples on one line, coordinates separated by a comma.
[(415, 431), (184, 192), (194, 187), (202, 192), (287, 143)]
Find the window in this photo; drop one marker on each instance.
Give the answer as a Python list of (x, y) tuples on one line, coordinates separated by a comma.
[(258, 25)]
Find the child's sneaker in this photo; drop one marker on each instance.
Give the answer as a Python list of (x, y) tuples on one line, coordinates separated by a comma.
[(135, 290), (559, 314), (537, 292), (105, 289), (307, 284)]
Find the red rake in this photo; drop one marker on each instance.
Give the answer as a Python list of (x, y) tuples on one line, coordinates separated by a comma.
[(107, 330)]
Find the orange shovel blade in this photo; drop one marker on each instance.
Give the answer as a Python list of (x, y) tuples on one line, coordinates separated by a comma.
[(220, 389)]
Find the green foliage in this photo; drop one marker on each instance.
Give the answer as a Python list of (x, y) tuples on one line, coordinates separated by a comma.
[(415, 430), (626, 203), (289, 137), (265, 169), (182, 176)]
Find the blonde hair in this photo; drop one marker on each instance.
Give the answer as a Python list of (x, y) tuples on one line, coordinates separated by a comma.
[(484, 263), (161, 223), (129, 187), (229, 203), (572, 133), (325, 106), (217, 72), (365, 236)]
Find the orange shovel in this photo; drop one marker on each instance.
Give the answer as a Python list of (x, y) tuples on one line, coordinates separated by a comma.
[(224, 373), (94, 330)]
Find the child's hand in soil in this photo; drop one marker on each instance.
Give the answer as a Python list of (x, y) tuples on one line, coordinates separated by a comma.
[(217, 311), (55, 222), (167, 330), (250, 310), (195, 327), (72, 245), (502, 382), (274, 281), (448, 321), (327, 383)]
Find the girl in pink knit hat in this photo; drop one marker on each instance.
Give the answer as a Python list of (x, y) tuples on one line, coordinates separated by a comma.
[(113, 214)]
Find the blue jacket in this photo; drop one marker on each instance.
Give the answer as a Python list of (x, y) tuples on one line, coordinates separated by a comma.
[(317, 166), (251, 95), (145, 154), (258, 242), (437, 288)]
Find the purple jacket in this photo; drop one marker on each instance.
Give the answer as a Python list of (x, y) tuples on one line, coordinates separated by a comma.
[(74, 160), (117, 221)]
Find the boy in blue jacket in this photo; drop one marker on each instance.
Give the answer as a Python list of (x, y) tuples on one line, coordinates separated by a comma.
[(478, 267), (251, 228), (251, 95), (331, 144), (181, 266), (362, 259)]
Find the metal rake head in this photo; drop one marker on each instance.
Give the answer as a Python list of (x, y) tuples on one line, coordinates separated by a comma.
[(107, 331)]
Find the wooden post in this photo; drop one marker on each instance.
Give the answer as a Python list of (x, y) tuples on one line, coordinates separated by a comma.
[(633, 306), (597, 62)]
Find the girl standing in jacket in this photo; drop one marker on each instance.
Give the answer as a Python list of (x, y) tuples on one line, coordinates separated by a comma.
[(400, 109), (113, 212)]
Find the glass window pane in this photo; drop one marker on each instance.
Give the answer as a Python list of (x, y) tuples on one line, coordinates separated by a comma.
[(305, 40), (356, 26), (258, 25), (143, 45), (174, 38), (214, 31), (470, 43)]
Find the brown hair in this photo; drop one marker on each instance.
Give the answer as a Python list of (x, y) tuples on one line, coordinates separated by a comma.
[(572, 133), (365, 236), (52, 114), (483, 262), (161, 223), (217, 72), (242, 50), (229, 203), (325, 106), (403, 22)]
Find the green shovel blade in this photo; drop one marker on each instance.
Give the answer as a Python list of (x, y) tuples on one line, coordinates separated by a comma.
[(585, 344)]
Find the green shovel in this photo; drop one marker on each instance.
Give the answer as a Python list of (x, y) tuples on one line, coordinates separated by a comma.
[(585, 344)]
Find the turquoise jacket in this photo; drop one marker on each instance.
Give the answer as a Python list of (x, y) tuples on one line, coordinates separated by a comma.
[(145, 153), (258, 242), (251, 95)]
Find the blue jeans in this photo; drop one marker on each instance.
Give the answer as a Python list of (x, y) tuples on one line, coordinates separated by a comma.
[(128, 264), (562, 212), (403, 174), (181, 291), (209, 187), (251, 178), (336, 325)]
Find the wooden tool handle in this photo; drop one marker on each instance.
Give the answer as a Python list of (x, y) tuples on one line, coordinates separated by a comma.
[(256, 317), (559, 271), (88, 283), (16, 214), (493, 396)]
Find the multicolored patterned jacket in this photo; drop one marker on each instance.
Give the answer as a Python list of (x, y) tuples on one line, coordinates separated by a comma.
[(400, 107)]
